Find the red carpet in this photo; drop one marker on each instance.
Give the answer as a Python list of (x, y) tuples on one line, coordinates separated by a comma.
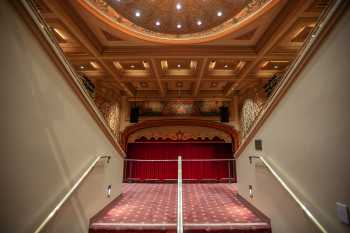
[(152, 208)]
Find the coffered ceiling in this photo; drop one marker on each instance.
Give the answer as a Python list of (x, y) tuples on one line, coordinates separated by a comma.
[(236, 63)]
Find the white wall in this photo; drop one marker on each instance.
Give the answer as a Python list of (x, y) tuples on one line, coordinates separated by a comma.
[(307, 139), (48, 139)]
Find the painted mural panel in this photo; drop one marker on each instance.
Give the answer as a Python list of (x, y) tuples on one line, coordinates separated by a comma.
[(180, 108), (111, 113), (250, 111)]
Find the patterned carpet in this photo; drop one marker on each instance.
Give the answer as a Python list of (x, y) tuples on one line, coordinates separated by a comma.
[(152, 208)]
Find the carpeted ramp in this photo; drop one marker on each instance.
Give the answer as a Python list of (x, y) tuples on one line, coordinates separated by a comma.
[(214, 207)]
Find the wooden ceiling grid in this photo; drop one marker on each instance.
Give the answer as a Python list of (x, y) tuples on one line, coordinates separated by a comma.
[(204, 71)]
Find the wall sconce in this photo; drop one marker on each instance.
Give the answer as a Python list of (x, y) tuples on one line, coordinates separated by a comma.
[(109, 189), (250, 191)]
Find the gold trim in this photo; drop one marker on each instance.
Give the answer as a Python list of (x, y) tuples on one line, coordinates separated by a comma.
[(220, 31)]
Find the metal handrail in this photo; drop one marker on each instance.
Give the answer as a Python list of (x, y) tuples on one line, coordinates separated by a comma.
[(291, 193), (179, 225), (175, 160), (69, 193)]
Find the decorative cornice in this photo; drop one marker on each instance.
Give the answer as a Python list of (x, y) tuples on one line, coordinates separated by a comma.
[(180, 122), (111, 19)]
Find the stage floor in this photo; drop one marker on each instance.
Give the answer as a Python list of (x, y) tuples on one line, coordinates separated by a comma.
[(214, 207)]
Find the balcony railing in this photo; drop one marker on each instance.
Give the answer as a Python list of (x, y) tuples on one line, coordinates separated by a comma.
[(157, 170)]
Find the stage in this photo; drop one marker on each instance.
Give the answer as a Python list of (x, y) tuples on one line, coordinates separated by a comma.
[(151, 207)]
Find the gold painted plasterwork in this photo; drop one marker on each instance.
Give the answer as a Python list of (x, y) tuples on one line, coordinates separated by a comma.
[(105, 12), (250, 112), (186, 132)]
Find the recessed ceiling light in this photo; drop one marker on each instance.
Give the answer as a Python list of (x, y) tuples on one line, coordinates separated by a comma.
[(82, 67), (137, 13), (178, 65), (93, 64), (143, 84), (276, 67), (219, 13), (60, 33), (157, 22), (179, 84), (178, 25), (132, 66), (199, 22), (225, 66), (178, 6)]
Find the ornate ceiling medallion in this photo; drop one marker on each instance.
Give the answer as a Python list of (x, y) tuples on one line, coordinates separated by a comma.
[(177, 21)]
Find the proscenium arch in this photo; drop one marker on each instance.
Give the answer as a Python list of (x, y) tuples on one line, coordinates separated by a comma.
[(180, 122)]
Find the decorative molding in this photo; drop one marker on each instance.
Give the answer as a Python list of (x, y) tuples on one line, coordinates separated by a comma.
[(105, 14), (180, 134), (111, 112), (227, 129), (250, 111), (87, 43)]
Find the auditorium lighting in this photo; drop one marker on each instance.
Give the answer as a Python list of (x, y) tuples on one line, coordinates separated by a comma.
[(60, 33), (94, 64), (178, 26), (109, 189), (219, 13), (178, 6), (137, 13), (199, 23), (157, 23)]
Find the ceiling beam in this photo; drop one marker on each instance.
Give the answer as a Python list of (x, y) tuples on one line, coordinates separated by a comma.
[(286, 55), (66, 18), (286, 18), (157, 76), (176, 98), (202, 72), (239, 52)]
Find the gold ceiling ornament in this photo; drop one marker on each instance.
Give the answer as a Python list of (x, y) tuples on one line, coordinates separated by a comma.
[(162, 21)]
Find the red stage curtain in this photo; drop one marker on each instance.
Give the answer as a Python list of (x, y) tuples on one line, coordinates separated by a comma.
[(191, 169)]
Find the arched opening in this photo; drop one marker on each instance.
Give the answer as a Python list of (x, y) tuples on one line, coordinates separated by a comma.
[(207, 149), (229, 130)]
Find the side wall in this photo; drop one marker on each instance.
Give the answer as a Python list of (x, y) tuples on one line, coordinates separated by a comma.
[(307, 140), (48, 140)]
